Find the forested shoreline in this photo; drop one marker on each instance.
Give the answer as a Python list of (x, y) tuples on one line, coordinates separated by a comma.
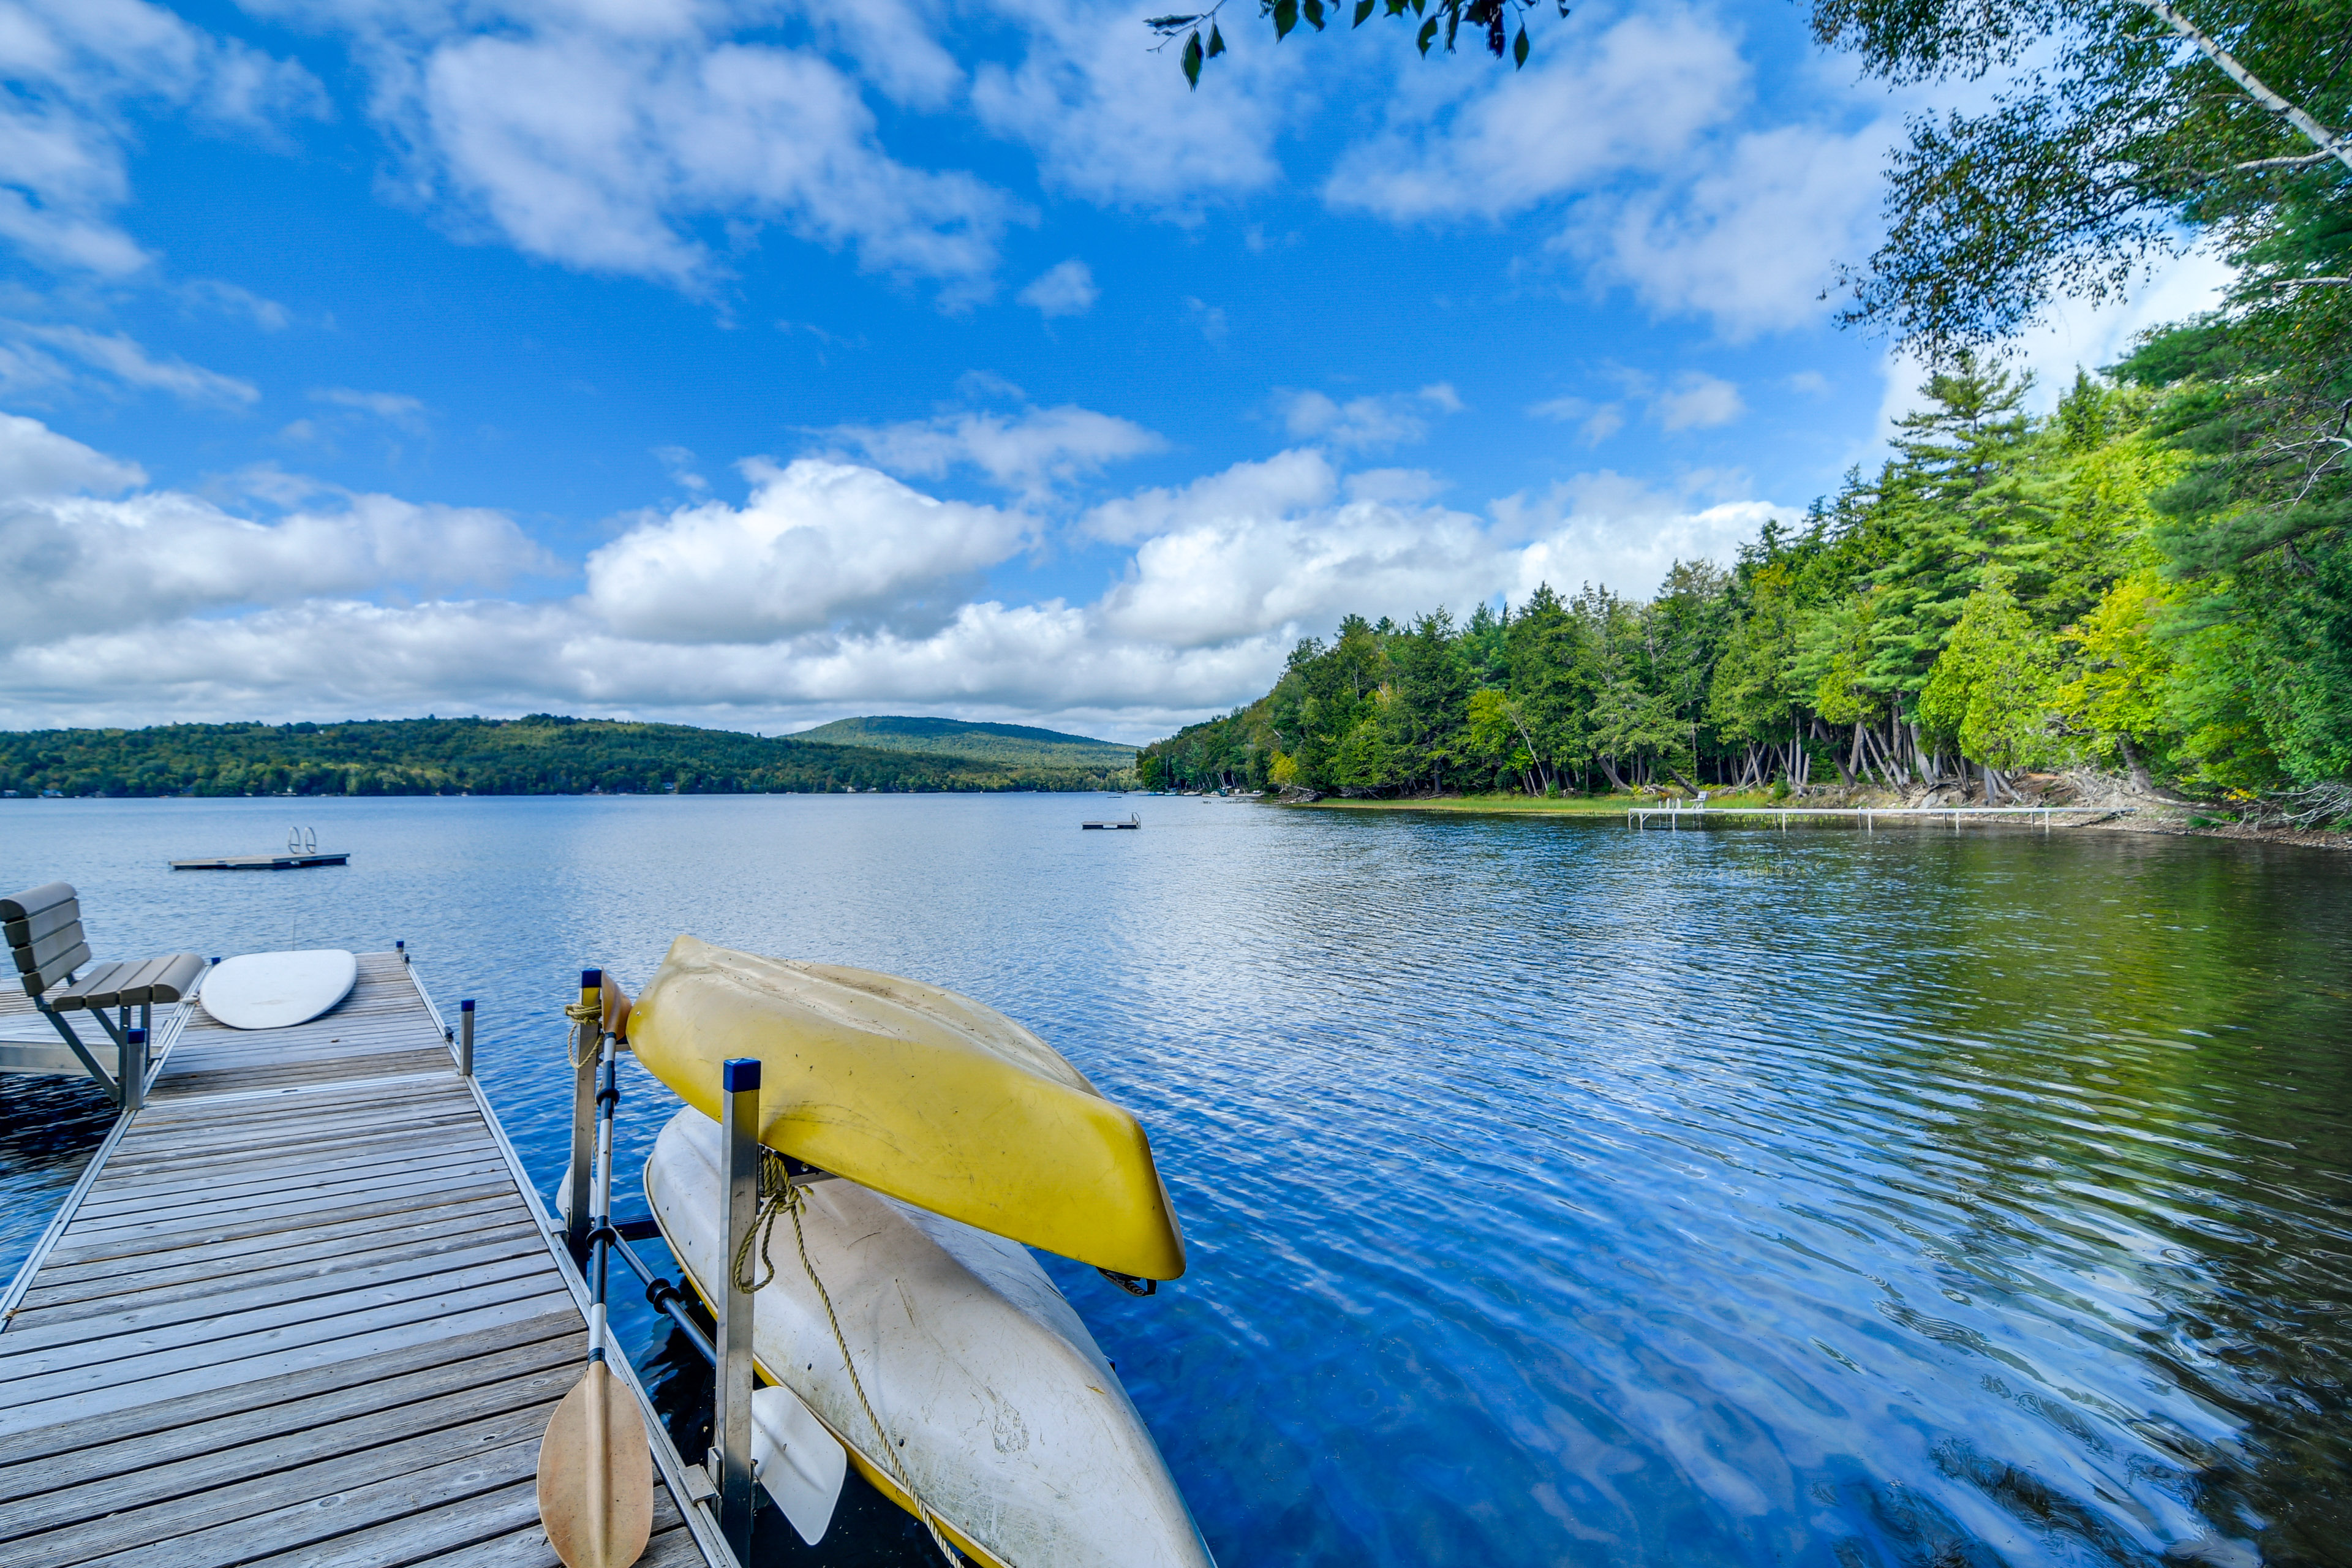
[(542, 753), (2153, 582)]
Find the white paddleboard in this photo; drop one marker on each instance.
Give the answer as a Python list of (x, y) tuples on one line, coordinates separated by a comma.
[(271, 990)]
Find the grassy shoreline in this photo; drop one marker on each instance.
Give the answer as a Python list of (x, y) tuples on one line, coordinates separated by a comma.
[(1531, 806)]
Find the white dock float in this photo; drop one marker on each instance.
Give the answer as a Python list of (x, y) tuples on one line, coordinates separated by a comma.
[(1868, 818), (303, 1308)]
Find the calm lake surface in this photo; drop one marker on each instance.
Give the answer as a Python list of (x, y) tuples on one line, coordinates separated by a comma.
[(1555, 1193)]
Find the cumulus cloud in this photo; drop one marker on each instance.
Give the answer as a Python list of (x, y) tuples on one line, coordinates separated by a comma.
[(1067, 289), (603, 138), (834, 587), (76, 554), (1393, 420), (817, 541), (1029, 451)]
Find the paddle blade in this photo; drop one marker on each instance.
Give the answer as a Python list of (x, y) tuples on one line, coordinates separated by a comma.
[(597, 1476), (798, 1461)]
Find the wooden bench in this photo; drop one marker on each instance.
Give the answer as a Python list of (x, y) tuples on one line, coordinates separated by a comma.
[(43, 926)]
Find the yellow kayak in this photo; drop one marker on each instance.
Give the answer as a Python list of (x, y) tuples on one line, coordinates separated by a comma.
[(917, 1092)]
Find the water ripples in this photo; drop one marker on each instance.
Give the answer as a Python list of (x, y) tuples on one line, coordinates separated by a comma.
[(1559, 1194)]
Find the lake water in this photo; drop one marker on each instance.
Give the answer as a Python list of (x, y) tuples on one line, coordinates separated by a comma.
[(1555, 1193)]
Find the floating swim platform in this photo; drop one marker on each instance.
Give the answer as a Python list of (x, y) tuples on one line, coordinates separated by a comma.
[(1132, 822), (916, 1093), (261, 862)]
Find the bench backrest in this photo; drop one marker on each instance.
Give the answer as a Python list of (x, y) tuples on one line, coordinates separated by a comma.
[(44, 930)]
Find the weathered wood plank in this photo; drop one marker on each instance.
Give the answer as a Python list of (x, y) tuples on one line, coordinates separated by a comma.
[(228, 1196), (315, 1289), (330, 1198), (416, 1370), (211, 1486), (282, 1322), (187, 1084), (62, 1397), (204, 1288), (349, 1153), (123, 1271), (312, 1505), (120, 1244)]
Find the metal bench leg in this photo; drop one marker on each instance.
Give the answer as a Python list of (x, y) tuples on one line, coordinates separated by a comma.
[(89, 1062)]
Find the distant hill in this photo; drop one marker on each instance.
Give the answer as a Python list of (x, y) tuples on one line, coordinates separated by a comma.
[(540, 755), (1015, 744)]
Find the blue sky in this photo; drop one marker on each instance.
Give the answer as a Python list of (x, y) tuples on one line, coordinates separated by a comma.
[(756, 364)]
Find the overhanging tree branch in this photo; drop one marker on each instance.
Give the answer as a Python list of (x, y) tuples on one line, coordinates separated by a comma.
[(2328, 140)]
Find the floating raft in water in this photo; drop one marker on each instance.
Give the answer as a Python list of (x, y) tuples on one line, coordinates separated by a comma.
[(1130, 822), (278, 862)]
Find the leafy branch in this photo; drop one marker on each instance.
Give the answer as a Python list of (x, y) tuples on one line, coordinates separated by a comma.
[(1439, 20)]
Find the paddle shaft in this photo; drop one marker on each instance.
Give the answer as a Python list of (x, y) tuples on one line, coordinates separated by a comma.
[(608, 1098)]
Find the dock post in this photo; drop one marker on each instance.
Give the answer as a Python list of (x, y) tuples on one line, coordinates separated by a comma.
[(134, 1070), (586, 1048), (466, 1038), (731, 1415)]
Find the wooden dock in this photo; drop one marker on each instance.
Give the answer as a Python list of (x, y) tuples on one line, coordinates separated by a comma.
[(305, 1308), (1868, 818)]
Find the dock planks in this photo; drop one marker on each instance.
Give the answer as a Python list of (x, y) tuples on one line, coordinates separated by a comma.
[(305, 1313)]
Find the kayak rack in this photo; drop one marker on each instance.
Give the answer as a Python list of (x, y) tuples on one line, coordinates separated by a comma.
[(305, 1300)]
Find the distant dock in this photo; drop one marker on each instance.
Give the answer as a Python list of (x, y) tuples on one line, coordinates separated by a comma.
[(300, 853), (1869, 817), (280, 862)]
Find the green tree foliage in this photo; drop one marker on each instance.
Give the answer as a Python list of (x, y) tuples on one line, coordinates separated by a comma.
[(542, 754), (2006, 593)]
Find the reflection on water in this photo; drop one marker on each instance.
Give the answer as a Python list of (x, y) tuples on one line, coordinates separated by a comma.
[(1555, 1193)]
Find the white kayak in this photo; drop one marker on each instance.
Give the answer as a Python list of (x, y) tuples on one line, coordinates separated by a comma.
[(271, 990), (1016, 1433)]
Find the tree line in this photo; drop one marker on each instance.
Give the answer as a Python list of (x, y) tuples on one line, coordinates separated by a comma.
[(542, 753), (2139, 582)]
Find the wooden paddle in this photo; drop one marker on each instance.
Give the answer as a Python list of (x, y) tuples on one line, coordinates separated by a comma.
[(595, 1471)]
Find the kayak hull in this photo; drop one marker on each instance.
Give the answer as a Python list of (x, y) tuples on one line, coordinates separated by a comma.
[(918, 1092), (1016, 1433)]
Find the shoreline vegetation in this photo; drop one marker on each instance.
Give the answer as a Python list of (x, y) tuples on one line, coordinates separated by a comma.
[(540, 755), (2098, 602)]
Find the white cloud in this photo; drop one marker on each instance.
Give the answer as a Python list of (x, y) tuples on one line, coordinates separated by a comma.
[(117, 358), (816, 542), (71, 561), (231, 301), (600, 137), (1597, 421), (1812, 383), (1395, 419), (1029, 451), (391, 407), (1210, 319), (35, 462), (679, 463), (1112, 122), (1751, 242), (74, 68), (1064, 290), (1635, 98), (834, 588), (1698, 401)]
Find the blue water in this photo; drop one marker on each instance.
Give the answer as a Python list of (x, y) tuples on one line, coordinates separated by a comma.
[(1555, 1193)]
